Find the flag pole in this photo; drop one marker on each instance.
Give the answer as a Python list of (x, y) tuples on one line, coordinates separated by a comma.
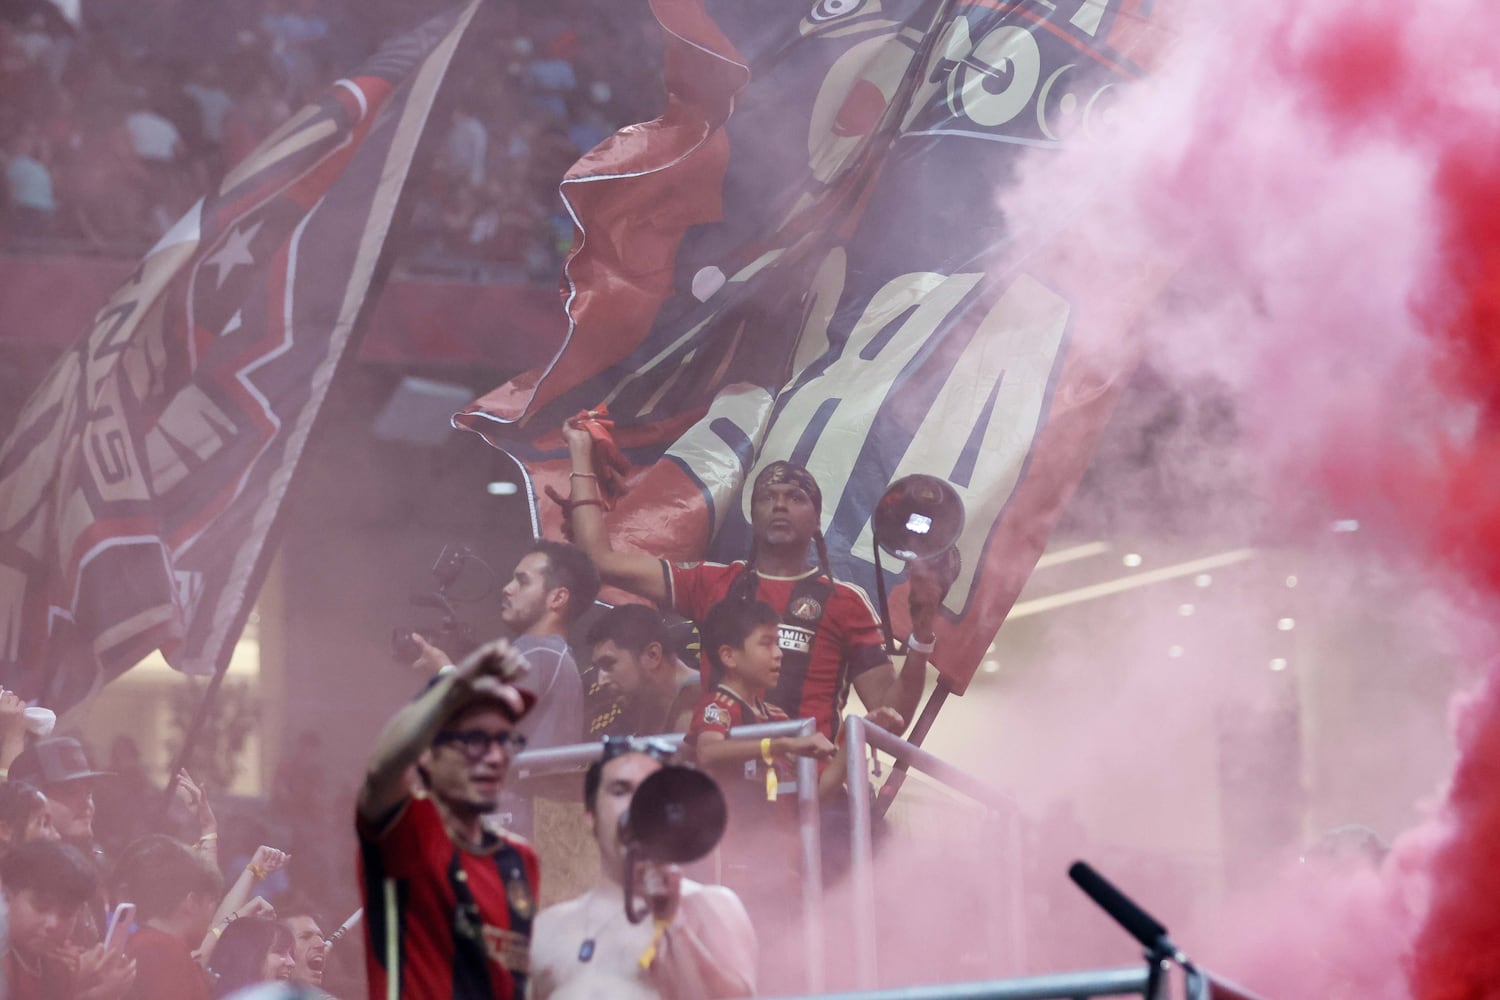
[(887, 794), (400, 217), (194, 731)]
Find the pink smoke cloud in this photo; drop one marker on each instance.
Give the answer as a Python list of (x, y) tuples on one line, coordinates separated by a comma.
[(1325, 178)]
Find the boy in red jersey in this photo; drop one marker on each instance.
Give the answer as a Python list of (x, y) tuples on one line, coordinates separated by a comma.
[(448, 902), (739, 638), (759, 851)]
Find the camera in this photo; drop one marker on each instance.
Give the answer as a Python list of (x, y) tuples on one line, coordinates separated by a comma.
[(451, 633)]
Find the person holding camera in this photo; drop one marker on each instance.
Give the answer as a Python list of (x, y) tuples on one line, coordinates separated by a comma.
[(699, 943), (551, 586), (449, 901)]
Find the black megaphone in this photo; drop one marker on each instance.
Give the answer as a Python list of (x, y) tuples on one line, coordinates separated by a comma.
[(918, 518), (676, 816)]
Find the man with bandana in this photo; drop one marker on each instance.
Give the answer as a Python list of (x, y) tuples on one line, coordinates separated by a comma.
[(829, 634)]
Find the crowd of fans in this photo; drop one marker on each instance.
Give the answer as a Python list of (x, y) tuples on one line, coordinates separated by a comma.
[(113, 127), (115, 891)]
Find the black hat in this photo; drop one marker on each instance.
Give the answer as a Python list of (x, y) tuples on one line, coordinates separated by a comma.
[(53, 761)]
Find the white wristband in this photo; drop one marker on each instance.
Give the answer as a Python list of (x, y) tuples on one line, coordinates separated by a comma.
[(925, 648)]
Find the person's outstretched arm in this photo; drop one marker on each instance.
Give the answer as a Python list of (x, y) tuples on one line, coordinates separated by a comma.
[(636, 572), (488, 670)]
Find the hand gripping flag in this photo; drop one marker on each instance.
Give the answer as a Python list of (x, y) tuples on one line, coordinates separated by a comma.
[(805, 258), (141, 482)]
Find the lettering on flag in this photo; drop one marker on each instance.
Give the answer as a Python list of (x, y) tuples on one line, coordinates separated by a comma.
[(141, 483)]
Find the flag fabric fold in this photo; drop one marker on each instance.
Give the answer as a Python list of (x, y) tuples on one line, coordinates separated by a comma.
[(805, 258), (142, 481)]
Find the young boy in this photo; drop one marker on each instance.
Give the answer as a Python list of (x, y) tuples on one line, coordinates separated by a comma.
[(758, 856), (744, 659)]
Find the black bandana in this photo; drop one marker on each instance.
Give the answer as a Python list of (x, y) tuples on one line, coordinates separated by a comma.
[(781, 472)]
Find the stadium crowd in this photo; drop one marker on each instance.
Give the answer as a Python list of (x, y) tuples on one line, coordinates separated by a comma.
[(113, 127)]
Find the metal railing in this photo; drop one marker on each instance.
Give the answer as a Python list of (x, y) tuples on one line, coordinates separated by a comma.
[(1149, 980), (859, 737), (1195, 984), (1064, 986), (561, 760)]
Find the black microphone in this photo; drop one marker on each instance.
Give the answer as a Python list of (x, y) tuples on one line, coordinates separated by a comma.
[(1141, 925)]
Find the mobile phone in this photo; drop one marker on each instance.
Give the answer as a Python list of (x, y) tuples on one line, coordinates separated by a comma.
[(120, 922)]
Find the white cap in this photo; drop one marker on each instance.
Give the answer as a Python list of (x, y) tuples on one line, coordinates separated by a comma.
[(40, 721)]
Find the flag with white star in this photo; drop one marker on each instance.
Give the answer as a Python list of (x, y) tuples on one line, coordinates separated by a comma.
[(143, 479)]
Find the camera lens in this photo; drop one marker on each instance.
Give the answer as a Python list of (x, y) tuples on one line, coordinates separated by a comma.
[(403, 647)]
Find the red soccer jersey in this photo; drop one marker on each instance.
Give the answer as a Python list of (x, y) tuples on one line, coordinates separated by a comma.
[(164, 968), (760, 833), (835, 644), (442, 921), (723, 710)]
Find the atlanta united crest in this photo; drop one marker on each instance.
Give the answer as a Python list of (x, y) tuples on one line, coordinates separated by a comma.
[(806, 608), (518, 894)]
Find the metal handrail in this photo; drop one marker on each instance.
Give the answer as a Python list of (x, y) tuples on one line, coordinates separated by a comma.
[(578, 756), (859, 737), (1132, 981)]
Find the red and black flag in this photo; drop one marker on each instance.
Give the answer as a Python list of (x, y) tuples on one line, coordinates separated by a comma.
[(141, 482), (805, 257)]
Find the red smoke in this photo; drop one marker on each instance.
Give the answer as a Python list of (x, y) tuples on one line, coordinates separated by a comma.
[(1329, 176), (1363, 78)]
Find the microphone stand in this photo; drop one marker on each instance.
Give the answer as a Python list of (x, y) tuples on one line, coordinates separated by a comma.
[(1153, 937)]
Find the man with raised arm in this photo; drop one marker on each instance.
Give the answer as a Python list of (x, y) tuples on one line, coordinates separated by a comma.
[(829, 634), (448, 901), (699, 943)]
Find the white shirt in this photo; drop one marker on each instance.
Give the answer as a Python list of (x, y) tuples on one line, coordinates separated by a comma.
[(213, 105), (152, 136), (613, 970), (551, 674), (468, 145), (30, 184)]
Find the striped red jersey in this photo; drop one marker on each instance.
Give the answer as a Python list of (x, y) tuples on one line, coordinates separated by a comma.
[(829, 633), (444, 922)]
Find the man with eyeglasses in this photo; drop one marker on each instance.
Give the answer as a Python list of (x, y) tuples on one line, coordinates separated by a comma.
[(448, 901), (700, 944)]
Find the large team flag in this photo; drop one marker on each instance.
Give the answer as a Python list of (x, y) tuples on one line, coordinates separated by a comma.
[(805, 257), (141, 483)]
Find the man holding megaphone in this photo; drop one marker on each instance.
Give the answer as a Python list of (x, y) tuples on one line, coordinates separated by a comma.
[(830, 634), (684, 940)]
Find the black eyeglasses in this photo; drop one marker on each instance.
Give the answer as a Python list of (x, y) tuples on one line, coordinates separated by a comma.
[(475, 743)]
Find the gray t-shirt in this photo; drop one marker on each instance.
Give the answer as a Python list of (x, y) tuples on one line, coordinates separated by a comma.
[(557, 719)]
